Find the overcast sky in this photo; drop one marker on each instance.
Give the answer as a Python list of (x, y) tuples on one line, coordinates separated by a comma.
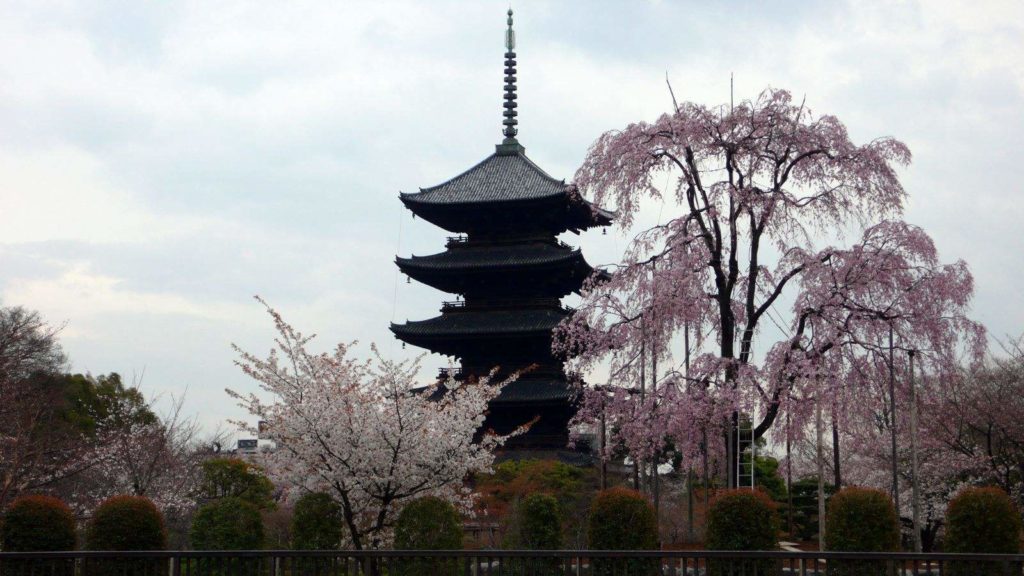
[(160, 163)]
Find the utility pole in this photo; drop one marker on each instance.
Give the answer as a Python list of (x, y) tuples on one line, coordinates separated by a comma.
[(637, 474), (656, 479), (689, 473), (789, 479), (913, 457), (821, 472), (892, 421), (835, 449)]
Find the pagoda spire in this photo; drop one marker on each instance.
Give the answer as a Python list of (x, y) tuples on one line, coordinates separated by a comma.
[(510, 145)]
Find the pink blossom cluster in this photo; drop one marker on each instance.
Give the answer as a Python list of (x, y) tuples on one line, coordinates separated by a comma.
[(691, 326)]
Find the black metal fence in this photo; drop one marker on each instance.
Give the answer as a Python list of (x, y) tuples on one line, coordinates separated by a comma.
[(503, 563)]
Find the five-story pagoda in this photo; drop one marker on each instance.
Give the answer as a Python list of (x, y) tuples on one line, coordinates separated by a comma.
[(511, 272)]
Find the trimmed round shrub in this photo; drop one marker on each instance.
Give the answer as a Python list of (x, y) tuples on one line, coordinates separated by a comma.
[(227, 524), (126, 523), (540, 527), (742, 520), (622, 519), (861, 520), (428, 523), (37, 524), (982, 520), (316, 522)]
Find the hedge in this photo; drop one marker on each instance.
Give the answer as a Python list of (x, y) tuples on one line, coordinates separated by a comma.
[(861, 520), (540, 526), (37, 524), (316, 523), (428, 523), (622, 519), (126, 523), (742, 519), (982, 521)]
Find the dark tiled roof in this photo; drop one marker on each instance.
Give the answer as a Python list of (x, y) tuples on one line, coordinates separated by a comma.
[(565, 455), (483, 323), (535, 390), (499, 177), (492, 257)]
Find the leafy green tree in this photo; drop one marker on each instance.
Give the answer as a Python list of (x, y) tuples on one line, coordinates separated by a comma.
[(317, 523), (767, 477), (236, 478), (101, 402), (228, 523)]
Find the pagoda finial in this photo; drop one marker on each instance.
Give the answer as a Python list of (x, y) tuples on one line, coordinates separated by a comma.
[(510, 144)]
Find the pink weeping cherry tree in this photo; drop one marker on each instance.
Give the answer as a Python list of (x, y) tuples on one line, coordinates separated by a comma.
[(747, 303), (364, 431)]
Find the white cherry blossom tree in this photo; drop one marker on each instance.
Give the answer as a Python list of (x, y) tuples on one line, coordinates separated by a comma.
[(364, 431)]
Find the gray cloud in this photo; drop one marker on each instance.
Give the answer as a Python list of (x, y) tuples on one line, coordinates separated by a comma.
[(159, 164)]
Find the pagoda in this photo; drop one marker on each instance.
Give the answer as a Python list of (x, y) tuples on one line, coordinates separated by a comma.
[(510, 271)]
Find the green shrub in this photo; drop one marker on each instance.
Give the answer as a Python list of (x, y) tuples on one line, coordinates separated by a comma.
[(622, 519), (534, 524), (742, 520), (540, 527), (37, 524), (861, 520), (428, 523), (126, 523), (316, 523), (227, 524), (982, 521), (503, 491)]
